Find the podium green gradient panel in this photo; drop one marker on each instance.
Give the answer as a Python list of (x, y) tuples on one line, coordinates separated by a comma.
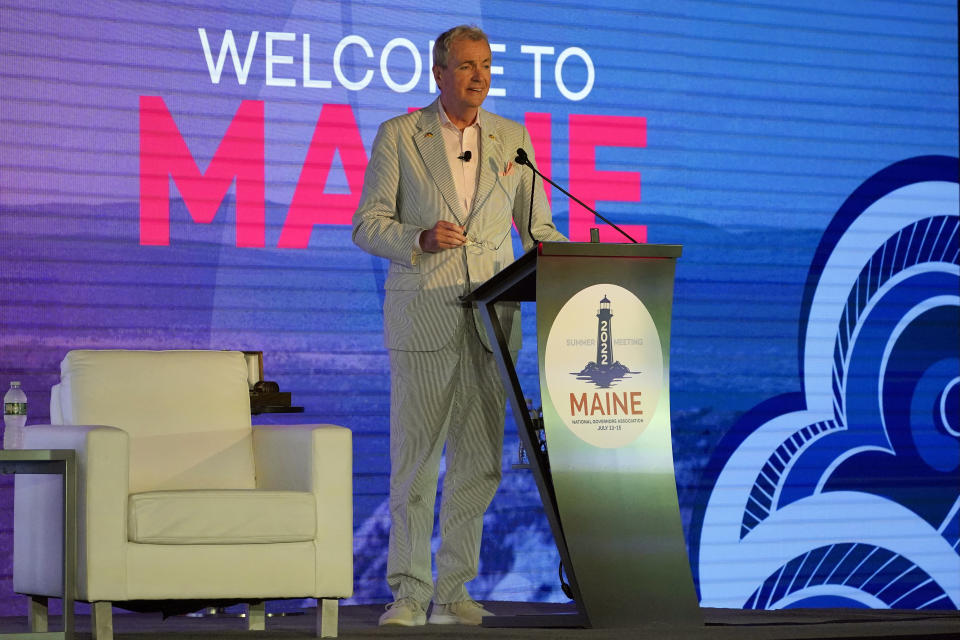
[(603, 334)]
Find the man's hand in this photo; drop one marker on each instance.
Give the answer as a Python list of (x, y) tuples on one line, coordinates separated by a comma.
[(443, 235)]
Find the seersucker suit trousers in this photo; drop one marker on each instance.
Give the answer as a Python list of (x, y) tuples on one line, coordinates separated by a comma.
[(452, 396)]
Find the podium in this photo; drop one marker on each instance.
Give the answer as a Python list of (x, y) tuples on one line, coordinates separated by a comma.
[(606, 479)]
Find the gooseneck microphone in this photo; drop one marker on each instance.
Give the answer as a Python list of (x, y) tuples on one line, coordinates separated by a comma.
[(523, 159), (465, 156)]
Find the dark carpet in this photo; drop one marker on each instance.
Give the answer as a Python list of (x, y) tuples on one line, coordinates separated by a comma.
[(360, 621)]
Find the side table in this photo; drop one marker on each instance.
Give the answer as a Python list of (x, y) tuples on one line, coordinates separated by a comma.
[(61, 462)]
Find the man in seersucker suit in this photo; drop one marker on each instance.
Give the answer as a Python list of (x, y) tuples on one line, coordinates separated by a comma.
[(439, 196)]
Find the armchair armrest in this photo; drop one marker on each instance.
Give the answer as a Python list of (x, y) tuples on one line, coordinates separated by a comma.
[(317, 458), (101, 513), (303, 457)]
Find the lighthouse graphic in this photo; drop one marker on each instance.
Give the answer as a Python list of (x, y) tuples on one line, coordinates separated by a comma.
[(604, 372), (604, 331)]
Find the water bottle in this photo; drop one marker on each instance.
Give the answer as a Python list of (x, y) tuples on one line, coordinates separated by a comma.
[(14, 416)]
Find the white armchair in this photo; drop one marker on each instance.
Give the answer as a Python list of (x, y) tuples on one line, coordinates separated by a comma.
[(179, 498)]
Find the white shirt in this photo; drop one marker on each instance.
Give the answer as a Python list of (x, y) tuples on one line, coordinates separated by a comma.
[(465, 173)]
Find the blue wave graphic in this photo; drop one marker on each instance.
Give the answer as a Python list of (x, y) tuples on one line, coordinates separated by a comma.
[(847, 494)]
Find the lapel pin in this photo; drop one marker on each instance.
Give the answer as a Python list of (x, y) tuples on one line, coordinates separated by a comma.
[(428, 135)]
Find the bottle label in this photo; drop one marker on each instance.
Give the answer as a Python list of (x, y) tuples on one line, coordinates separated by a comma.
[(14, 408)]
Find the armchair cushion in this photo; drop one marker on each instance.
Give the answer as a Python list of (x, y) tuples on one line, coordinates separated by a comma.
[(221, 517), (187, 413)]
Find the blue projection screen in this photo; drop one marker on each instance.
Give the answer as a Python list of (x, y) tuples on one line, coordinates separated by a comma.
[(183, 174)]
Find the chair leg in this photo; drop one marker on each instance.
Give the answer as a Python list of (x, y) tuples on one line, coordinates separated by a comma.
[(257, 616), (102, 622), (37, 616), (327, 611)]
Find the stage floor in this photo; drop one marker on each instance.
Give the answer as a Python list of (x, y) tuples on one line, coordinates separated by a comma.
[(360, 621)]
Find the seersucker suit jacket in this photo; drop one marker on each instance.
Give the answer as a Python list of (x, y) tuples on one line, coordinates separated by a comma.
[(408, 187)]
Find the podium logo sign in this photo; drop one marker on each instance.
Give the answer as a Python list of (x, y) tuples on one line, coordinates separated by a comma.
[(604, 365)]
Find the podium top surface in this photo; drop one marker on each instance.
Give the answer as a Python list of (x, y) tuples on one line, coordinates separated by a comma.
[(609, 249), (517, 281)]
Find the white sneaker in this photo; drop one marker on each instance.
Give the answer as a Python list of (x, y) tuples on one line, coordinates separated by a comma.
[(405, 612), (463, 612)]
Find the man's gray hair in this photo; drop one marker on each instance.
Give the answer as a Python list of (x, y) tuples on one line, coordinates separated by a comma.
[(441, 48)]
